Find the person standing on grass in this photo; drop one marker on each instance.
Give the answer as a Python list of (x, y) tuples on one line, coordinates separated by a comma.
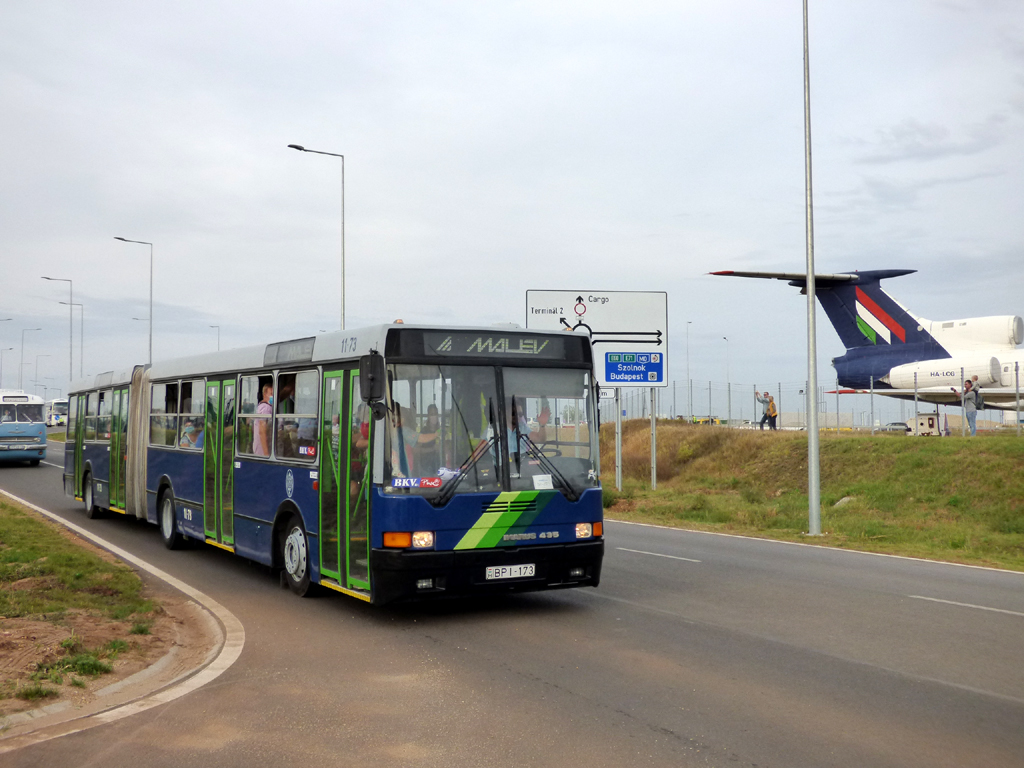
[(773, 413), (763, 400), (970, 400)]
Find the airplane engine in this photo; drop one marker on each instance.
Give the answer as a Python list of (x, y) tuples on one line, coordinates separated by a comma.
[(1001, 330), (944, 373)]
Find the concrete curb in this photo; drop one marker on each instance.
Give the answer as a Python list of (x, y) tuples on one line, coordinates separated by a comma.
[(216, 663)]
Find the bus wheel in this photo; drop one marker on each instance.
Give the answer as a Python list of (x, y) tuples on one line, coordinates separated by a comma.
[(91, 510), (169, 523), (295, 557)]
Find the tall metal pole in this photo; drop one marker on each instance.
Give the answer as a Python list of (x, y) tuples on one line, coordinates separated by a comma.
[(916, 420), (71, 321), (813, 457), (21, 366), (81, 337), (728, 385), (963, 405), (1016, 377), (837, 406), (618, 438), (144, 242), (689, 387), (218, 336), (35, 379), (335, 154), (872, 405)]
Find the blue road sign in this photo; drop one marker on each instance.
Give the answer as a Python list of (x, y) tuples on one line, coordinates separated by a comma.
[(634, 368)]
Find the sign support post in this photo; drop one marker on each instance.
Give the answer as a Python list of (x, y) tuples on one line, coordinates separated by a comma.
[(654, 442), (618, 439)]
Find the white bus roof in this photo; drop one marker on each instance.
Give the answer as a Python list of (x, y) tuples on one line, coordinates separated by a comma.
[(18, 396), (337, 345)]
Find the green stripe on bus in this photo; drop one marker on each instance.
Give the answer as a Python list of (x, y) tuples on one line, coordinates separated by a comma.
[(488, 531)]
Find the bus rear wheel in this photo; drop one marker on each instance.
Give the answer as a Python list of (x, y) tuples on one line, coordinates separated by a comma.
[(91, 510), (294, 551), (169, 522)]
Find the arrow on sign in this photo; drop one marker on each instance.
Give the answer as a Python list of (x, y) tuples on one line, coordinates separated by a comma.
[(656, 340)]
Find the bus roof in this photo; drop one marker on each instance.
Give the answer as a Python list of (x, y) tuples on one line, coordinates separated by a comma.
[(319, 348)]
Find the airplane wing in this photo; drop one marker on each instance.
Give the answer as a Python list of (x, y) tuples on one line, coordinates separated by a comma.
[(838, 277), (1004, 398)]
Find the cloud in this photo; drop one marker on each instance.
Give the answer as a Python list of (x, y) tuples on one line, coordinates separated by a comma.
[(915, 140)]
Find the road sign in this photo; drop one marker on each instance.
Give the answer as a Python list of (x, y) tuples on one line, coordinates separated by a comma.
[(629, 330)]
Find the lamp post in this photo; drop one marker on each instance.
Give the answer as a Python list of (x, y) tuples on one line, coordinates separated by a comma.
[(35, 379), (218, 336), (689, 394), (81, 337), (143, 242), (22, 366), (71, 321), (5, 349), (301, 148)]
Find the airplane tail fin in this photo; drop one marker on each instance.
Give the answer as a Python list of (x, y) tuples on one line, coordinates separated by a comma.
[(861, 312)]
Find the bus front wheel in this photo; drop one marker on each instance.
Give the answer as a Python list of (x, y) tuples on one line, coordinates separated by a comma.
[(91, 510), (169, 523), (295, 557)]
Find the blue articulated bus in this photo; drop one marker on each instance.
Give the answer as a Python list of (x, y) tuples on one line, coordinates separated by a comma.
[(22, 427), (388, 463)]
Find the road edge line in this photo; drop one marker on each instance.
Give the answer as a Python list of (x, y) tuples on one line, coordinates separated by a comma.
[(231, 647)]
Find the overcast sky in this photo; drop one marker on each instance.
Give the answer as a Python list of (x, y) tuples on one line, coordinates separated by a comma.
[(492, 148)]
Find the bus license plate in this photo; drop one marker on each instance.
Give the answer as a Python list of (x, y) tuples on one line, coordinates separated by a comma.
[(511, 571)]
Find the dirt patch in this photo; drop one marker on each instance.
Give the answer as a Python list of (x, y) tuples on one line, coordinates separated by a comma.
[(26, 645)]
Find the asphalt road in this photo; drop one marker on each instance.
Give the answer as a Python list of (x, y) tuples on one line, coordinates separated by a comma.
[(695, 650)]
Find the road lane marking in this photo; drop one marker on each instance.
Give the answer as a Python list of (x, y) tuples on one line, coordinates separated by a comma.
[(967, 605), (51, 464), (230, 650), (821, 547), (656, 554)]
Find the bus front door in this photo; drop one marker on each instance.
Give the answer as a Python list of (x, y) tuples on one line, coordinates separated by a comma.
[(218, 473), (78, 437), (344, 484), (119, 449)]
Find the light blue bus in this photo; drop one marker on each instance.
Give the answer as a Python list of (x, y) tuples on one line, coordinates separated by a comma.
[(22, 427), (387, 463)]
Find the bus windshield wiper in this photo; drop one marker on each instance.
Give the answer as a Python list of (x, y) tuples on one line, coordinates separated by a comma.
[(482, 448), (535, 451)]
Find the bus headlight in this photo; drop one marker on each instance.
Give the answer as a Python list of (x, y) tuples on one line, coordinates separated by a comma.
[(423, 539), (584, 530)]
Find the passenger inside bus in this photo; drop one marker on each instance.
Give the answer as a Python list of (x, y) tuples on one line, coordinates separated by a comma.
[(261, 426)]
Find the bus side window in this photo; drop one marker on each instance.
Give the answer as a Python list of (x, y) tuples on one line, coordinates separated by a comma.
[(103, 418), (193, 395), (72, 418), (163, 420), (91, 409), (254, 416), (295, 420)]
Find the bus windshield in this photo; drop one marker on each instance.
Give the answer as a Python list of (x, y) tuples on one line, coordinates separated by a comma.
[(23, 413), (449, 431)]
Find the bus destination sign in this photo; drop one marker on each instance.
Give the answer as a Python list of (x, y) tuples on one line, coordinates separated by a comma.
[(494, 345)]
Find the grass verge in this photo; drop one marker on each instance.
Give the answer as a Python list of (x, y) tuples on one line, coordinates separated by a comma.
[(52, 587), (954, 499)]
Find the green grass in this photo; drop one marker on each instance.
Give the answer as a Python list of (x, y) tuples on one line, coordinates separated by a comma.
[(65, 576), (956, 499), (58, 437)]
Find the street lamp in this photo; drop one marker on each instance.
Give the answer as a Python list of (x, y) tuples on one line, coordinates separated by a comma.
[(218, 336), (22, 366), (81, 337), (5, 349), (143, 242), (301, 148), (71, 321), (35, 379)]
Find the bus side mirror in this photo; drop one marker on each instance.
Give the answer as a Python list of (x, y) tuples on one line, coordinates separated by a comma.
[(371, 378)]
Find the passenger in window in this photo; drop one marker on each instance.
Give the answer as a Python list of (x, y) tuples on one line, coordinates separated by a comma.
[(261, 427), (286, 394), (428, 458), (191, 435)]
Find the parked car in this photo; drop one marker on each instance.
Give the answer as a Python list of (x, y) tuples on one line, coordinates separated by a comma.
[(895, 426)]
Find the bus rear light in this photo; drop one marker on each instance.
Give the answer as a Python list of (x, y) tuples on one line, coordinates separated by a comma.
[(577, 573), (599, 529), (584, 530), (398, 540), (424, 583), (423, 539)]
